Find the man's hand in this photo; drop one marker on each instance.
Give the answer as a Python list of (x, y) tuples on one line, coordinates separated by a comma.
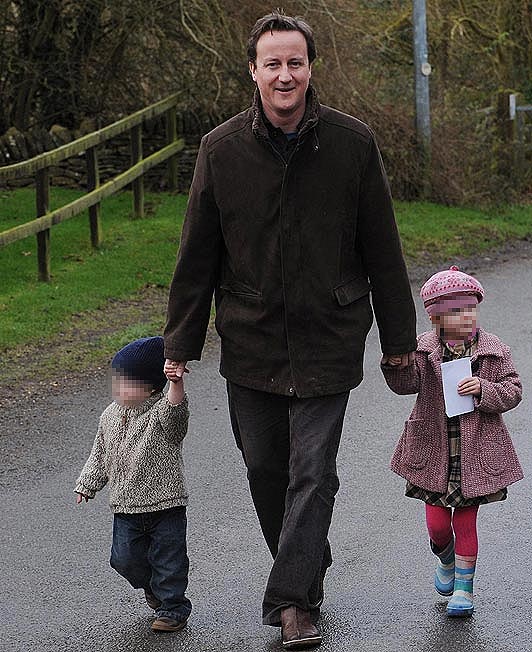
[(469, 387), (401, 360), (174, 369)]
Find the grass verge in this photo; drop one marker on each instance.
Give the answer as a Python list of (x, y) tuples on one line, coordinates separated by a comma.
[(136, 253), (430, 232), (97, 299)]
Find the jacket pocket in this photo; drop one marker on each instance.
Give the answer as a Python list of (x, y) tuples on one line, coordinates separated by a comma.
[(239, 289), (416, 444), (492, 456), (352, 290)]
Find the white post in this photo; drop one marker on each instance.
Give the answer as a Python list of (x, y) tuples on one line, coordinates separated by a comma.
[(422, 70)]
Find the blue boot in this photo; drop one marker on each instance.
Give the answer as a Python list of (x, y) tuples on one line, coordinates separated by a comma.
[(444, 575), (461, 604)]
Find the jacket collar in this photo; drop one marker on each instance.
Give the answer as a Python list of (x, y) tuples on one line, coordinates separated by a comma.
[(487, 345), (309, 121)]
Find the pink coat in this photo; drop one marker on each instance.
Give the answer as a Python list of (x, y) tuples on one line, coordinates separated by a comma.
[(489, 461)]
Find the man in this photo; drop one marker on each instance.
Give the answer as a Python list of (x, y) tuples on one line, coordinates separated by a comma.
[(290, 223)]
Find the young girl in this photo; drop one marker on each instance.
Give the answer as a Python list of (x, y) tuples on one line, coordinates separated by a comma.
[(138, 451), (456, 464)]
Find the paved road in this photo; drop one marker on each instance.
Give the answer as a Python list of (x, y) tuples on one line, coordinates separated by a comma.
[(58, 592)]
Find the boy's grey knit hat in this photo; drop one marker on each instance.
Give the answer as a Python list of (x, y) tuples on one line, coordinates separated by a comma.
[(143, 360)]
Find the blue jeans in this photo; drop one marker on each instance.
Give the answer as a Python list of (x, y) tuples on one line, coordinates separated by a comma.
[(150, 551)]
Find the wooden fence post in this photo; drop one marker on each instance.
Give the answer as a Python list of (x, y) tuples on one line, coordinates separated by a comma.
[(93, 182), (42, 183), (171, 137), (138, 184), (520, 150)]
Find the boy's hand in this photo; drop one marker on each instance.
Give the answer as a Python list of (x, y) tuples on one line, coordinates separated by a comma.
[(174, 369), (469, 387), (80, 497)]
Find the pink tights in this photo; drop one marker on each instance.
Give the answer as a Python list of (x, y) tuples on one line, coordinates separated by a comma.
[(441, 522)]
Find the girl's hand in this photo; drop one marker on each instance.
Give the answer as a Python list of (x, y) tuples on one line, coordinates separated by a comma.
[(392, 360), (402, 361), (469, 387), (80, 497)]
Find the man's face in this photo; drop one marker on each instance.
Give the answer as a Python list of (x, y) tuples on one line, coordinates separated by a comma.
[(282, 73)]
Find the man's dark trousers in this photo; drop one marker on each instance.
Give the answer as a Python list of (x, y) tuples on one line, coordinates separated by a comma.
[(289, 445)]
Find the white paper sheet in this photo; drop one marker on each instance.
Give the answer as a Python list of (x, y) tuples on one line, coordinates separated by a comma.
[(452, 373)]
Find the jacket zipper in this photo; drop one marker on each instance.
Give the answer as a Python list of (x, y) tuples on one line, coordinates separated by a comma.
[(286, 163), (291, 389)]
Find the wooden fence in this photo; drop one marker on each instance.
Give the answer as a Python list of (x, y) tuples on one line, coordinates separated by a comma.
[(40, 167), (514, 129)]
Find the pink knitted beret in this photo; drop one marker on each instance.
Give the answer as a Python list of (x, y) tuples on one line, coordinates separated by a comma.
[(450, 281)]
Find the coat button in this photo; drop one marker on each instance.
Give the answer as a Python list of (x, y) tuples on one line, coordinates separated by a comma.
[(291, 390)]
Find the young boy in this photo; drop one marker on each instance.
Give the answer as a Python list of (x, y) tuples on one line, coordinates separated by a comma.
[(138, 451)]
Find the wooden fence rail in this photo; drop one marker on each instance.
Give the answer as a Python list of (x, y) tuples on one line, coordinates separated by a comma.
[(40, 167)]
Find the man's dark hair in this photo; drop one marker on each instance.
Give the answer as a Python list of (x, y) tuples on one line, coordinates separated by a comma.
[(277, 21)]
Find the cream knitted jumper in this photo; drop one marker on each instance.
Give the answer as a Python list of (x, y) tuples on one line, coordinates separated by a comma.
[(138, 451)]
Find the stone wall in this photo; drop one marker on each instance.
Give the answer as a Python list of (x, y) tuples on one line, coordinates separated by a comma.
[(114, 156)]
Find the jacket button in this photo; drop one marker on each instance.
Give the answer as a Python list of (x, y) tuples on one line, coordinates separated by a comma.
[(291, 390)]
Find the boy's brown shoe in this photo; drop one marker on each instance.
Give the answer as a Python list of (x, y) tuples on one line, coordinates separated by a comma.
[(165, 624), (151, 600)]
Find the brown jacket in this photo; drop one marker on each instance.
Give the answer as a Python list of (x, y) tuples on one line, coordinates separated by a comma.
[(290, 250), (489, 461)]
